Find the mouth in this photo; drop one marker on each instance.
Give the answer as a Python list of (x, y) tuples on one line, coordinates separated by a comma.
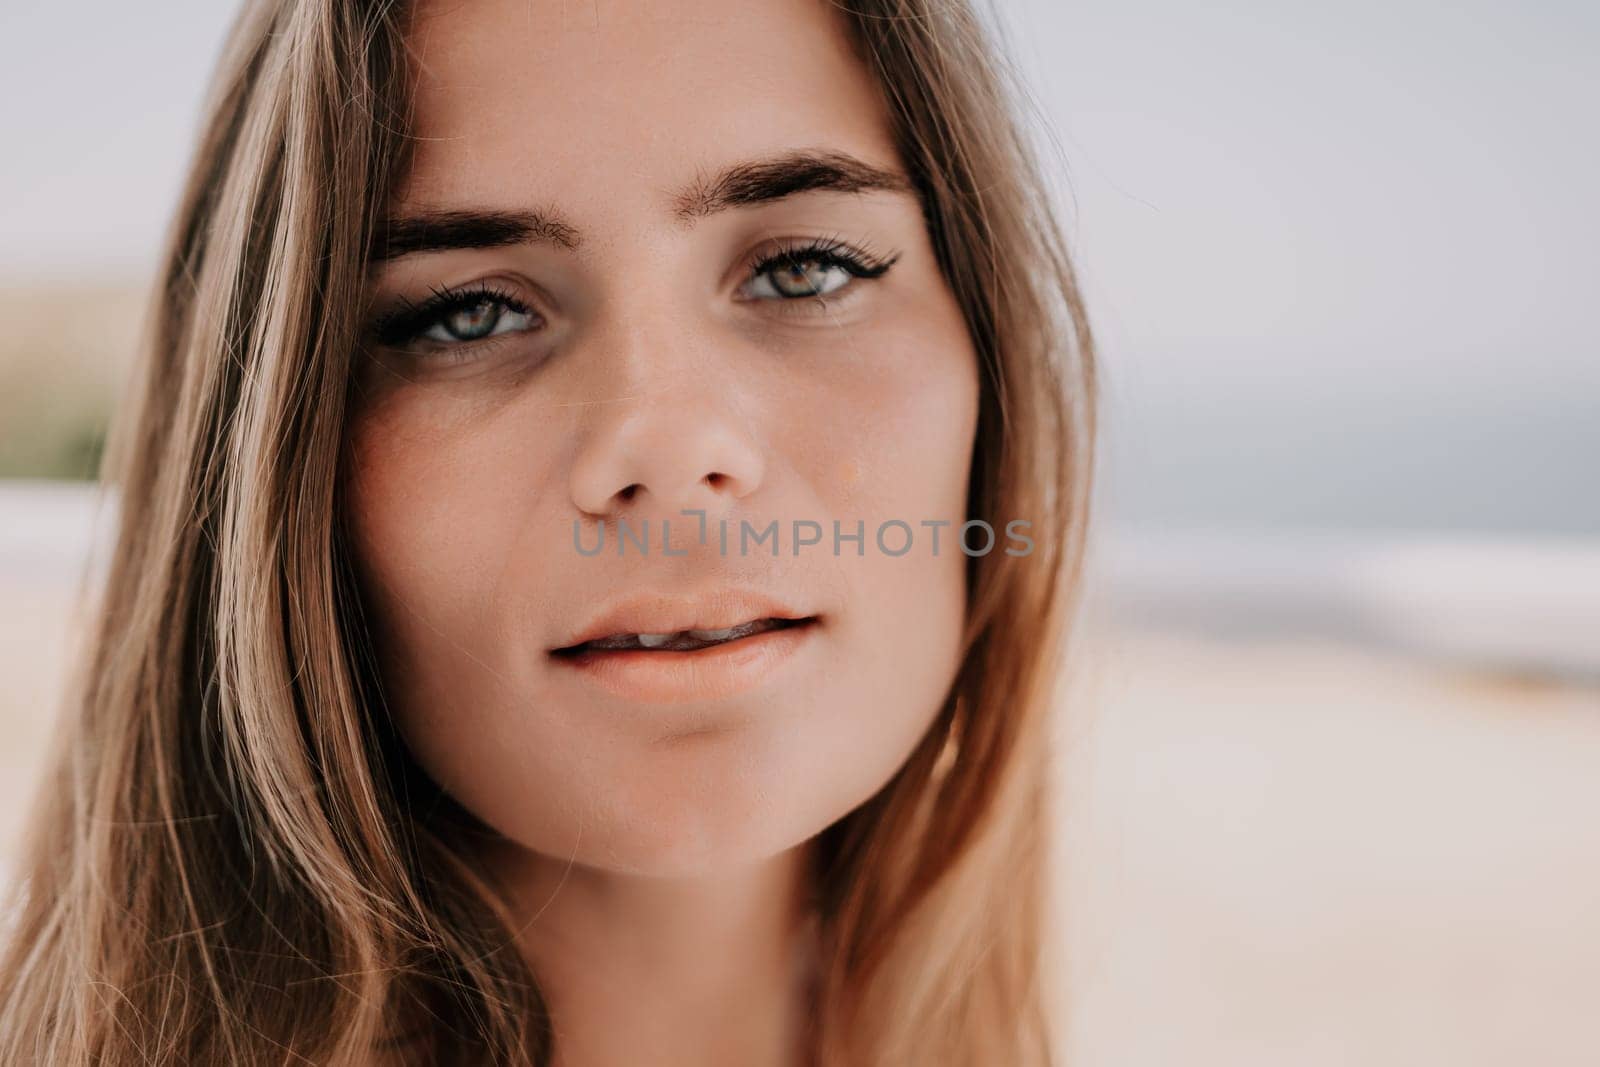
[(681, 641), (700, 666)]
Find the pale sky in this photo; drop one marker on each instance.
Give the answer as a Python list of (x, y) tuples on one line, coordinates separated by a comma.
[(1342, 257)]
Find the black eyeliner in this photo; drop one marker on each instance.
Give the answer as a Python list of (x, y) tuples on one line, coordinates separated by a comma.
[(409, 320), (829, 251)]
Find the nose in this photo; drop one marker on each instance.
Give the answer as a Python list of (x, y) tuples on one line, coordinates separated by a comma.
[(668, 448)]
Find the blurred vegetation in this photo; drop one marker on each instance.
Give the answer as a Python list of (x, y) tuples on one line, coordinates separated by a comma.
[(65, 352)]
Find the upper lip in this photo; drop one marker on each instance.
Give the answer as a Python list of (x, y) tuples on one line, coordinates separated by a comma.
[(660, 613)]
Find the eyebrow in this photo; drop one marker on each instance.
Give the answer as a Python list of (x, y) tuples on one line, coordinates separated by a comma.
[(762, 180), (441, 231), (743, 184)]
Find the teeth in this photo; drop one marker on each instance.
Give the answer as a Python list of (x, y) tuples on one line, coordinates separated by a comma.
[(715, 635), (683, 640)]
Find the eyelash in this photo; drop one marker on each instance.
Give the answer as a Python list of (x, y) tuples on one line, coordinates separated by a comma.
[(407, 323), (826, 252)]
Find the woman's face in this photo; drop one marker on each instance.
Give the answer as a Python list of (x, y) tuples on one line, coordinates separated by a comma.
[(598, 193)]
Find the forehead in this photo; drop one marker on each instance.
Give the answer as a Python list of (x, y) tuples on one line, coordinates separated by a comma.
[(619, 104)]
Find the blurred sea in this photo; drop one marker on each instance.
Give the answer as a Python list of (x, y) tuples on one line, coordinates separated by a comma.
[(1503, 603)]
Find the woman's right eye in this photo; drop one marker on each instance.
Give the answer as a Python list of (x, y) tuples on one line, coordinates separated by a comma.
[(450, 320), (483, 319)]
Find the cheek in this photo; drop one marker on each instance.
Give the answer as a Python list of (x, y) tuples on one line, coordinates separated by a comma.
[(892, 415), (898, 455), (899, 462), (419, 562), (439, 501), (442, 492)]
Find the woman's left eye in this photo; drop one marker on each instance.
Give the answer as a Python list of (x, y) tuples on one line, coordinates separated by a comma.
[(816, 270), (797, 278)]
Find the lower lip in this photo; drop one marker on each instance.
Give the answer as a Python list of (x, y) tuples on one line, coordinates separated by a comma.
[(715, 672)]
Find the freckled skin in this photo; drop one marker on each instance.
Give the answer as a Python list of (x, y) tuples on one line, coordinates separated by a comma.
[(465, 478)]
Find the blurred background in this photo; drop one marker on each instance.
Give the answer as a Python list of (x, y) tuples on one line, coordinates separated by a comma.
[(1331, 752)]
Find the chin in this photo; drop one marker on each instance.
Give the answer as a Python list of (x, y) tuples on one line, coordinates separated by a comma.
[(688, 844)]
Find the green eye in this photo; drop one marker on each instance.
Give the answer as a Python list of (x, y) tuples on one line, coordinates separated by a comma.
[(799, 278), (451, 319), (812, 270), (476, 321)]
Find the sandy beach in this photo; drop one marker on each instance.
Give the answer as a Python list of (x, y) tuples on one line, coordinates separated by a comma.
[(1307, 854)]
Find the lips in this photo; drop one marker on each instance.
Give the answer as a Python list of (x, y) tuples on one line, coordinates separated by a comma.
[(682, 641), (706, 650), (654, 622)]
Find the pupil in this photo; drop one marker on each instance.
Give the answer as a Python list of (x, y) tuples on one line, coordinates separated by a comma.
[(796, 273), (473, 322)]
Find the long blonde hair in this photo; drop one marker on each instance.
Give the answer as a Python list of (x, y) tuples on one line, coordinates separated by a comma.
[(224, 864)]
